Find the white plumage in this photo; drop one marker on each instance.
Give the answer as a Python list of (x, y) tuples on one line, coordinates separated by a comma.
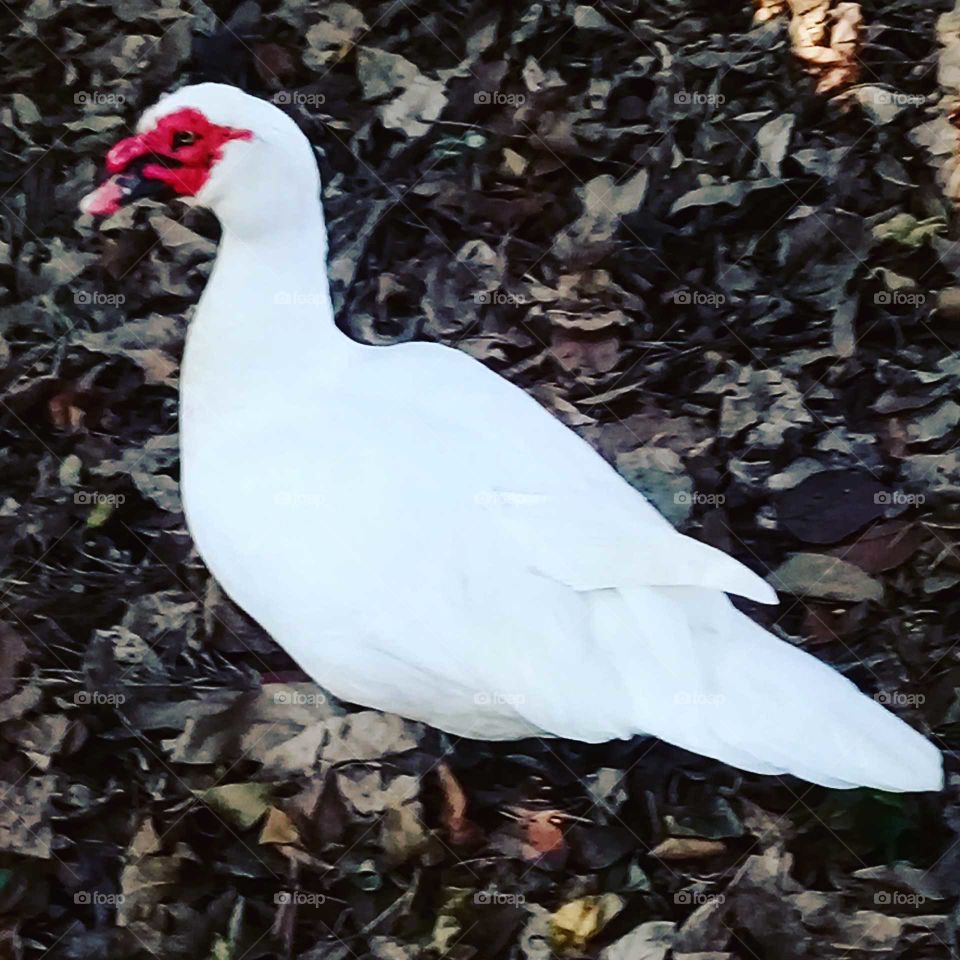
[(424, 538)]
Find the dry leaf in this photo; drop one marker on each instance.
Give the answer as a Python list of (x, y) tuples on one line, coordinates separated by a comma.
[(576, 923), (688, 848)]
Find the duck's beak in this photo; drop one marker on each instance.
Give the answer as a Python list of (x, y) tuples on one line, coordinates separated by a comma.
[(133, 164), (121, 189)]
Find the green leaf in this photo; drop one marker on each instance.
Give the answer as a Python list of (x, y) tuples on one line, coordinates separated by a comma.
[(819, 575), (908, 231), (101, 513)]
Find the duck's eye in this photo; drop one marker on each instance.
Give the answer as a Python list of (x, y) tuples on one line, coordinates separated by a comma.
[(183, 138)]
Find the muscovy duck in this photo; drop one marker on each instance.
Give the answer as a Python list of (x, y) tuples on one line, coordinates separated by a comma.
[(423, 537)]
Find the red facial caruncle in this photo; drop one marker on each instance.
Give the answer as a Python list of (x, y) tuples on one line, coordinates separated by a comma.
[(180, 152)]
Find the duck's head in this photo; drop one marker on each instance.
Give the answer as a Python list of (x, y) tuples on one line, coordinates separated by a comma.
[(214, 145)]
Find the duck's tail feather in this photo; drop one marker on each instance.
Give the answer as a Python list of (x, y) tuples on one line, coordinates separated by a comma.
[(743, 696)]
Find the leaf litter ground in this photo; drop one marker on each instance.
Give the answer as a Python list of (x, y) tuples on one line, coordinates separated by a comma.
[(722, 250)]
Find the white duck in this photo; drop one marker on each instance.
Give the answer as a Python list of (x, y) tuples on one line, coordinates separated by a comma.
[(423, 537)]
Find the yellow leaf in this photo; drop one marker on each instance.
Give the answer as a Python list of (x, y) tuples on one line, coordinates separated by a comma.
[(578, 922)]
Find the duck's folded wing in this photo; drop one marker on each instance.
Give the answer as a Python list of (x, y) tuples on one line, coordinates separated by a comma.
[(563, 506), (592, 546)]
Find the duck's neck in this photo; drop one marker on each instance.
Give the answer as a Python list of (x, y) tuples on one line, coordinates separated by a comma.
[(266, 309)]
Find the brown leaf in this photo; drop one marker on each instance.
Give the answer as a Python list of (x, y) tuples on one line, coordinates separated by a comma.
[(416, 100), (453, 815), (768, 10), (826, 38), (884, 546), (24, 809), (543, 834), (13, 659), (688, 848), (276, 64), (279, 829), (241, 804), (404, 834), (582, 355)]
